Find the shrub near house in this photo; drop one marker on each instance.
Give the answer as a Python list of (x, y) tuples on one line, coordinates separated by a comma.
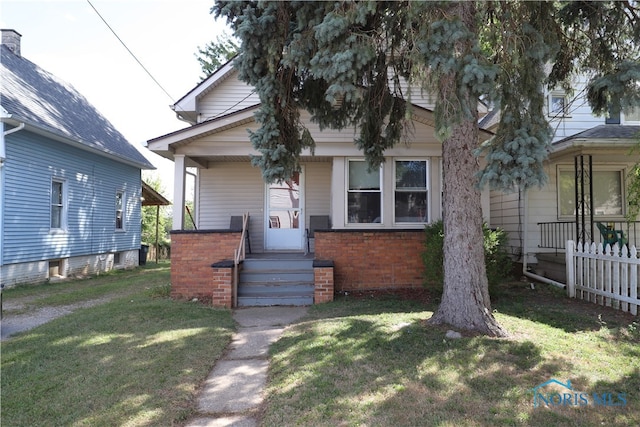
[(497, 260)]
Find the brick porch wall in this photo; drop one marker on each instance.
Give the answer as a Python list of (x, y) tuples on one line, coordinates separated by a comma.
[(373, 259), (192, 256), (323, 279)]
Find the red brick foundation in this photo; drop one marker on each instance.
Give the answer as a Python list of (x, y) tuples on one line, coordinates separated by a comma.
[(222, 284), (192, 255), (373, 259), (323, 278)]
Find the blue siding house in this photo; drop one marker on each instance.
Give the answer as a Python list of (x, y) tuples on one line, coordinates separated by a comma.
[(70, 183)]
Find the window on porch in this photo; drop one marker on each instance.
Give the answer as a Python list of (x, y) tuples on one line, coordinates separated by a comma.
[(411, 191), (364, 195), (607, 193)]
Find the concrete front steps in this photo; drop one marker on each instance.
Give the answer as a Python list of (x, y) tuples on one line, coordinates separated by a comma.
[(282, 279)]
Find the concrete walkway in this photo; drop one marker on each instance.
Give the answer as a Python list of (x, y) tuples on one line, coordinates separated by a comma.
[(233, 392)]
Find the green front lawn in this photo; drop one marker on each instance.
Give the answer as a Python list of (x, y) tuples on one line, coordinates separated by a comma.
[(374, 362), (138, 360)]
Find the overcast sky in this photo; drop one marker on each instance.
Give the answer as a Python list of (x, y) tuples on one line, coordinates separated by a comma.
[(70, 40)]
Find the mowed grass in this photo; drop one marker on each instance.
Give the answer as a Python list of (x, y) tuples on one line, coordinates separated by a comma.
[(375, 362), (137, 360)]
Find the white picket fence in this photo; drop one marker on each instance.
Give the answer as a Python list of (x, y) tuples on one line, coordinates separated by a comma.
[(606, 276)]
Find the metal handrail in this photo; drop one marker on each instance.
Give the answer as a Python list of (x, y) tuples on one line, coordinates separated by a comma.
[(238, 257), (554, 235)]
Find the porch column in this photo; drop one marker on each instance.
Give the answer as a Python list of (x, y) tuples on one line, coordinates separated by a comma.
[(178, 191)]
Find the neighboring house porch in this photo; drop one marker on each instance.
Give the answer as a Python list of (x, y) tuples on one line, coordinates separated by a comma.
[(585, 199)]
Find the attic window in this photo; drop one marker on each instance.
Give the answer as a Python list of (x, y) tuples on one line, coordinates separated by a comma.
[(558, 105)]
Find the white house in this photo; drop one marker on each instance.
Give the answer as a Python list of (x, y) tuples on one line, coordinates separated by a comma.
[(374, 221), (597, 151)]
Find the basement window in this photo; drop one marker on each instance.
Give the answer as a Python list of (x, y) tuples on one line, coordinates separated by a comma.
[(56, 268)]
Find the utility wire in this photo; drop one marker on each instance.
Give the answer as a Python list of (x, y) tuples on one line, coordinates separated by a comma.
[(128, 50)]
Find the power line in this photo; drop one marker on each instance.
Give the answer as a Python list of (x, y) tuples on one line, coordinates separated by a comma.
[(131, 53)]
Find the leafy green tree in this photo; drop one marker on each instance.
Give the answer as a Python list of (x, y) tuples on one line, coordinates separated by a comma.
[(148, 235), (633, 187), (345, 63), (216, 53)]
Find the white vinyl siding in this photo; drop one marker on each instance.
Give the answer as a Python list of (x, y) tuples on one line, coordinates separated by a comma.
[(231, 189), (578, 115), (317, 190), (229, 96)]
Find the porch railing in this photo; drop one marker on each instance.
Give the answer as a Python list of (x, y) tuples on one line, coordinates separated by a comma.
[(554, 235), (238, 257)]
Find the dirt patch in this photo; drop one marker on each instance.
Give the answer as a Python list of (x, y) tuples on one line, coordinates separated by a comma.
[(13, 323), (421, 295)]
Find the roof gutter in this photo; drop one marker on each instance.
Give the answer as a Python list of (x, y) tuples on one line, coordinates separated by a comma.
[(24, 124), (19, 126)]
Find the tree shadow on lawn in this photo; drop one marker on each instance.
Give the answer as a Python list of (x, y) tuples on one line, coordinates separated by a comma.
[(551, 306), (132, 360), (355, 371)]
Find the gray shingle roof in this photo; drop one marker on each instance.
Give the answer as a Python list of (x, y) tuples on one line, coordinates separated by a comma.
[(35, 96), (605, 132)]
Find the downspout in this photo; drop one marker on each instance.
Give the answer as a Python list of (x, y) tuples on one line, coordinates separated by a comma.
[(2, 146), (525, 254)]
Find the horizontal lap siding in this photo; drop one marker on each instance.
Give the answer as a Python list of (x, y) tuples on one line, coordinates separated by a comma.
[(230, 96), (505, 214), (230, 189), (91, 182), (317, 189)]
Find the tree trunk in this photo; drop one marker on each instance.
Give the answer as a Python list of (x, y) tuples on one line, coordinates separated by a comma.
[(465, 299)]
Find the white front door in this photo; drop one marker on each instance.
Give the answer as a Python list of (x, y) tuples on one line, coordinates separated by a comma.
[(284, 221)]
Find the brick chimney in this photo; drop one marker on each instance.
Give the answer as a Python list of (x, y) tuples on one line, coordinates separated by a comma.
[(11, 39)]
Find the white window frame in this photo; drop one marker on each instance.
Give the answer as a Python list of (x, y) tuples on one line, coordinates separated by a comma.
[(620, 169), (631, 120), (427, 189), (565, 110), (348, 191), (63, 206), (123, 211)]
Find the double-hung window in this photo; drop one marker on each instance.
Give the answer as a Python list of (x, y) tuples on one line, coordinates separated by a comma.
[(58, 205), (608, 198), (120, 205), (558, 104), (364, 195), (411, 191)]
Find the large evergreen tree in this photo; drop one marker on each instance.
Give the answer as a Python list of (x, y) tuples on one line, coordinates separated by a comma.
[(344, 63)]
